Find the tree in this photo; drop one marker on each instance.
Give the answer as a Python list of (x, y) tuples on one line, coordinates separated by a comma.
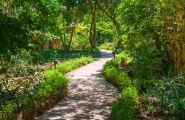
[(109, 7), (141, 26), (20, 18), (154, 33), (92, 36), (174, 33)]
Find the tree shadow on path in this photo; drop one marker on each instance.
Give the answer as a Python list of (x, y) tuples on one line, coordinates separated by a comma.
[(89, 97)]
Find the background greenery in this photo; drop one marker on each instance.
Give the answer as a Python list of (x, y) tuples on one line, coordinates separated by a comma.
[(150, 32)]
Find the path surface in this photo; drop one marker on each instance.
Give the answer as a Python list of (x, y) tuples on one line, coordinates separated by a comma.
[(89, 97)]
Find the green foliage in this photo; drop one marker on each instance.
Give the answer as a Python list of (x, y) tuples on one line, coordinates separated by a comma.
[(81, 42), (171, 93), (73, 64), (8, 110), (19, 63), (14, 35), (105, 31), (116, 76), (55, 80), (143, 37), (130, 95), (96, 51), (122, 111), (49, 54), (123, 108), (107, 46), (147, 65), (123, 57)]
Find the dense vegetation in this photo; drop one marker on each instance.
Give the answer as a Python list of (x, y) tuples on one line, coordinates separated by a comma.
[(154, 99), (150, 32), (30, 97), (123, 108)]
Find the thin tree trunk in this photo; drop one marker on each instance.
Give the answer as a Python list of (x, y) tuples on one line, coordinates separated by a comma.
[(93, 24), (90, 36), (71, 37), (183, 48)]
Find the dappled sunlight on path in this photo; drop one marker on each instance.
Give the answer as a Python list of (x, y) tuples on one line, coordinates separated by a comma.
[(89, 97)]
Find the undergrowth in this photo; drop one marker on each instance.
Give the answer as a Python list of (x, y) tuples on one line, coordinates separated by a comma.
[(157, 98), (72, 64), (42, 96), (123, 108)]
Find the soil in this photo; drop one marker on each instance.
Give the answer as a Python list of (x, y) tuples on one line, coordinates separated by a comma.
[(89, 97)]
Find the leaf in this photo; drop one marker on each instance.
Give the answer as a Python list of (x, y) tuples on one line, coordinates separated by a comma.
[(151, 107), (170, 70)]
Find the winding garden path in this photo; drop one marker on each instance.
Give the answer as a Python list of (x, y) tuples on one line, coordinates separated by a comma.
[(89, 97)]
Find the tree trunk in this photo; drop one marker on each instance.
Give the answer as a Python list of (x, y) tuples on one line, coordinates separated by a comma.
[(183, 48), (70, 41), (93, 24)]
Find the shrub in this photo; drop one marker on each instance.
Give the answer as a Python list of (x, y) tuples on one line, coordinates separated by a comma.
[(73, 64), (123, 109), (107, 46), (96, 51), (19, 63), (54, 82), (171, 92), (116, 76)]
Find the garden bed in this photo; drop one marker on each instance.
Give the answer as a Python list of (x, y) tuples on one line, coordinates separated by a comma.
[(38, 94), (124, 107), (154, 99)]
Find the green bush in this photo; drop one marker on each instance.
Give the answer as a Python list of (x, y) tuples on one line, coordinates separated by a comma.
[(123, 109), (171, 92), (96, 51), (107, 46), (116, 76), (49, 54), (70, 65), (19, 63), (130, 95), (55, 80)]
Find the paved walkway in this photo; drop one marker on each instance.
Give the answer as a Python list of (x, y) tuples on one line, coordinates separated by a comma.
[(89, 97)]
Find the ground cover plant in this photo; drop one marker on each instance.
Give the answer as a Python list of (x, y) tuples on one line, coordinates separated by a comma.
[(73, 64), (107, 46), (164, 99), (39, 97), (115, 72), (154, 98), (47, 55), (30, 95)]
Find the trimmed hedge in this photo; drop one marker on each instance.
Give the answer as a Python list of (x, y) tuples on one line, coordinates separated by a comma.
[(123, 108)]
